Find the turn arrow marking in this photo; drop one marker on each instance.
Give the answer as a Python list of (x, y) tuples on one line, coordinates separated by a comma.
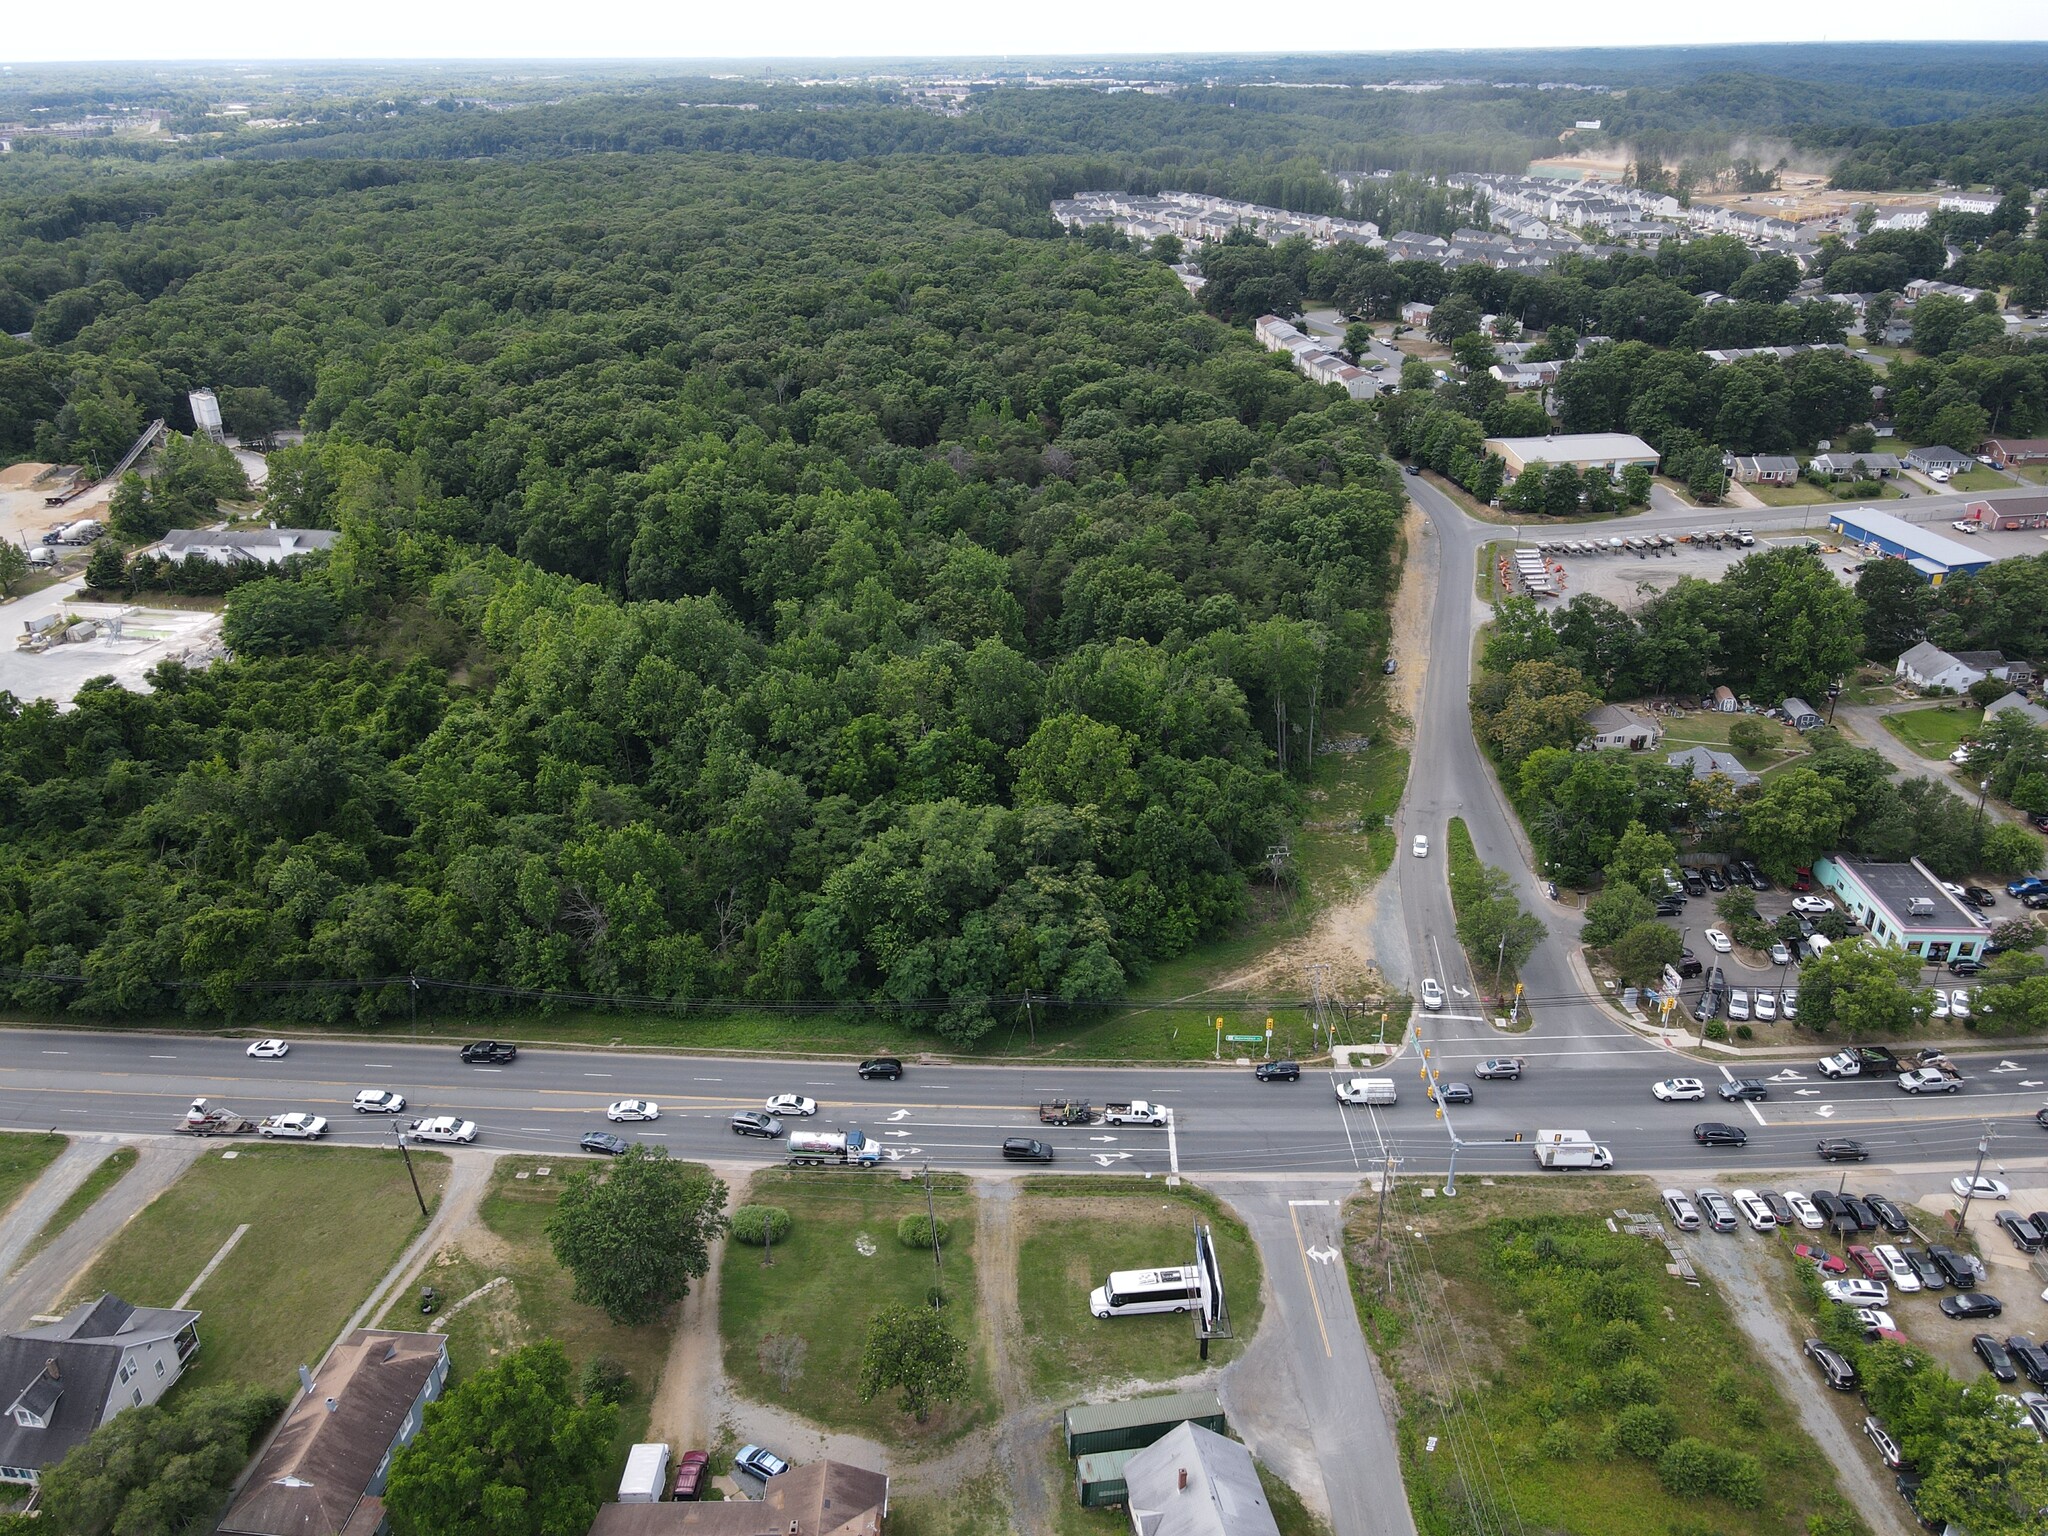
[(2008, 1066), (1787, 1076), (1824, 1110), (1106, 1158), (901, 1114), (1323, 1255), (1459, 991)]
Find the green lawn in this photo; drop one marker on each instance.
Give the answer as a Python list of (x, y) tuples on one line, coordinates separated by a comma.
[(23, 1157), (824, 1290), (535, 1303), (2033, 474), (1979, 478), (1073, 1232), (1800, 493), (324, 1225), (1937, 731), (976, 1506), (1709, 728), (1567, 1321), (103, 1178)]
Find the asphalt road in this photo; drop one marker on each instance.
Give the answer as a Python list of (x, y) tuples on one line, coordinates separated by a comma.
[(1226, 1123)]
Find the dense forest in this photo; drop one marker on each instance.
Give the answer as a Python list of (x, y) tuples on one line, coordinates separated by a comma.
[(758, 578)]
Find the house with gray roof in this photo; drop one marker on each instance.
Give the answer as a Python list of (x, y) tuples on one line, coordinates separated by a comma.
[(1705, 762), (62, 1381), (1927, 665), (1195, 1482), (1616, 727), (269, 546), (2012, 702)]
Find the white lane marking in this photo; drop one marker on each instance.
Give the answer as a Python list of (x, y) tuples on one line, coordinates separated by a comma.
[(1308, 1202), (163, 1058), (490, 1069), (597, 1074), (374, 1064), (56, 1053), (707, 1079)]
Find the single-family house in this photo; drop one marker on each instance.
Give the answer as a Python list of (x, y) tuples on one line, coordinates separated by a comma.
[(1195, 1482), (2007, 452), (2015, 702), (822, 1498), (1705, 762), (1930, 666), (1725, 701), (269, 546), (1905, 906), (1857, 466), (2014, 512), (324, 1470), (1804, 716), (1617, 727), (1766, 469), (1416, 313), (64, 1380), (1938, 460)]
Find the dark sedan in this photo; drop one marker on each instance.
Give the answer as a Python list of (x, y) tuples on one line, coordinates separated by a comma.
[(1027, 1149), (882, 1066), (605, 1142), (1714, 1133), (1972, 1304), (1889, 1215), (1995, 1357)]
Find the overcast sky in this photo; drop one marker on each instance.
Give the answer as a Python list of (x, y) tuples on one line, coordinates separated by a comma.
[(419, 29)]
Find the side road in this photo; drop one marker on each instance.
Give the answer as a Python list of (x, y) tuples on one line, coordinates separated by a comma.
[(39, 1202)]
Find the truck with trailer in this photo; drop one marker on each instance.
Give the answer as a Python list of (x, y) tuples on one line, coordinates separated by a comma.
[(1570, 1149), (204, 1119), (1066, 1112), (1135, 1112), (840, 1149)]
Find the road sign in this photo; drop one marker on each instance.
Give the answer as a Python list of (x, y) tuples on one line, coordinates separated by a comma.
[(1244, 1039)]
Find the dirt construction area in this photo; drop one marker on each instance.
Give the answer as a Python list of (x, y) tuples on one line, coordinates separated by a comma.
[(124, 643)]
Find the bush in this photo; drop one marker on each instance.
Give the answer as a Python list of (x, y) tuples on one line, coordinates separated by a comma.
[(1687, 1468), (1635, 1381), (1642, 1430), (1618, 1341), (605, 1381), (758, 1225), (1560, 1442), (916, 1231), (1715, 1031), (1739, 1479), (1744, 1032)]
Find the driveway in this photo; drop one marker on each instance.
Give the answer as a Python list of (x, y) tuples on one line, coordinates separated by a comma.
[(1865, 724)]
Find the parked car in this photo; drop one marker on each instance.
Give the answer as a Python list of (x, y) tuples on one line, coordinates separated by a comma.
[(1977, 896), (1932, 1276), (1965, 966), (1842, 1149), (1766, 1005), (605, 1142), (379, 1101), (1852, 1292), (1961, 1273), (791, 1104), (888, 1067), (1959, 1002), (1982, 1187), (1889, 1216), (1887, 1447), (2022, 1233), (1716, 1133), (1858, 1207), (1714, 878), (490, 1052), (268, 1050), (2036, 1405), (2030, 1357), (1827, 1263), (1755, 1210), (1684, 1214), (1278, 1071), (1839, 1373), (1027, 1149), (1869, 1263), (756, 1122), (1876, 1321), (692, 1473), (633, 1109), (1804, 1211), (1901, 1273), (1996, 1357), (1781, 1208), (1714, 1206), (1788, 1004), (1971, 1304), (1812, 906), (1741, 1088), (1738, 1004), (763, 1464), (1685, 1090), (1509, 1067)]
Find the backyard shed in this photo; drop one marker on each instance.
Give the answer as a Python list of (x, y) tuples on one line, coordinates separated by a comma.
[(1137, 1422)]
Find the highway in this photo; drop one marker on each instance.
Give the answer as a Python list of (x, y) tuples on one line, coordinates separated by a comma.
[(1226, 1122)]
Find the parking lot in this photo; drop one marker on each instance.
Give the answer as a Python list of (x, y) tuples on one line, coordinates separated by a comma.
[(1592, 561)]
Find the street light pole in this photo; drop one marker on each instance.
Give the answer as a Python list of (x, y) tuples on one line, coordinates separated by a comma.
[(1499, 964), (1983, 1151), (1983, 788)]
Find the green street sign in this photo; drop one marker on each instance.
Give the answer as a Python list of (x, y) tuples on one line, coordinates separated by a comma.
[(1245, 1039)]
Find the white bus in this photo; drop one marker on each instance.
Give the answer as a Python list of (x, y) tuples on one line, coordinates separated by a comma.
[(1129, 1292)]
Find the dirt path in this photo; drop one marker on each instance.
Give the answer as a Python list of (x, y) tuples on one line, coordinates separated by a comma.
[(34, 1207), (1732, 1264), (1021, 1435), (469, 1175)]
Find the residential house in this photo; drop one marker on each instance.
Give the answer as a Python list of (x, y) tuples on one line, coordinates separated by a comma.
[(1520, 376), (1416, 313), (1705, 762), (1195, 1482), (2015, 703), (1856, 466), (324, 1471), (823, 1498), (1616, 727), (269, 546), (1905, 906), (2006, 452), (1804, 716), (1936, 459), (1927, 665), (1766, 469), (2011, 513), (1969, 202), (64, 1380)]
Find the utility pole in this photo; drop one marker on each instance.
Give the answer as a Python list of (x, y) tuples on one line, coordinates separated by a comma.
[(1499, 963), (1983, 788), (406, 1153), (932, 1221), (1983, 1151)]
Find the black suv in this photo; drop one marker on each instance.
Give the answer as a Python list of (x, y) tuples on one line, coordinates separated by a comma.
[(2024, 1234), (882, 1066), (1745, 1088), (1027, 1149), (1713, 1133), (1840, 1373), (1966, 967), (2030, 1357), (1278, 1071), (1841, 1149), (490, 1051), (1961, 1274)]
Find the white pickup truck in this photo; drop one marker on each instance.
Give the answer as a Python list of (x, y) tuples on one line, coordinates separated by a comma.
[(442, 1128), (1136, 1112), (1928, 1080), (296, 1126), (1841, 1064)]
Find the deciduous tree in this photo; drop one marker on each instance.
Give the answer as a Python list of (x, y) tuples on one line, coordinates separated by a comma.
[(911, 1350), (637, 1231)]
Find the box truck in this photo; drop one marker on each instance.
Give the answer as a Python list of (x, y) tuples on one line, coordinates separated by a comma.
[(1570, 1149)]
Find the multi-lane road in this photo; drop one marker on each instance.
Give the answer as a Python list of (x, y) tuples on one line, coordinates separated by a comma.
[(1226, 1122)]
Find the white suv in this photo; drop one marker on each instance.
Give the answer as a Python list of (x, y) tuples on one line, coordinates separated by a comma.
[(1679, 1090), (1432, 994)]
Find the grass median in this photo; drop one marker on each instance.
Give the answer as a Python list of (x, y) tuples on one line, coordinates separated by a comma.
[(23, 1157), (1553, 1363), (325, 1223), (840, 1264)]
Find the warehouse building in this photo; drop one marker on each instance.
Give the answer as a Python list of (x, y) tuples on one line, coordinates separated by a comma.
[(1582, 450), (1934, 555)]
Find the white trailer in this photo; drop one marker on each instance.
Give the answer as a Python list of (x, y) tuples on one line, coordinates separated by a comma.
[(646, 1477)]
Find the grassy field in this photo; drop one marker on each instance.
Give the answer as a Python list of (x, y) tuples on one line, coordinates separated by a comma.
[(1073, 1232), (2033, 474), (535, 1302), (324, 1225), (1979, 478), (1571, 1328), (824, 1289), (23, 1157), (977, 1506), (103, 1178), (1709, 728), (1800, 493), (1936, 731)]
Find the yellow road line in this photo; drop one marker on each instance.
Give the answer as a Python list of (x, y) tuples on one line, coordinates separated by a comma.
[(1309, 1274)]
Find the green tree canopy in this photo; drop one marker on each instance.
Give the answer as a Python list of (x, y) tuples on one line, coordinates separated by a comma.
[(911, 1350), (636, 1231)]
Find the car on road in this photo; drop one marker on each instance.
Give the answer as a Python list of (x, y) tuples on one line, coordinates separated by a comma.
[(791, 1104), (296, 1126), (1499, 1066), (1932, 1276), (1997, 1359), (1714, 1206), (268, 1050), (1834, 1366), (379, 1101), (633, 1109), (1889, 1216), (762, 1464), (1780, 955), (443, 1128), (888, 1067), (1679, 1090), (1738, 1004), (1887, 1447), (756, 1122), (605, 1142), (2022, 1233), (1812, 906), (1451, 1093), (1902, 1275), (1738, 1089), (1971, 1304), (1853, 1292), (1720, 942), (1684, 1214), (1927, 1079), (1841, 1064), (693, 1471), (1755, 1210), (1804, 1211), (494, 1052), (1421, 845), (1432, 994), (1027, 1149), (1278, 1071), (1981, 1187), (1718, 1133), (1411, 469)]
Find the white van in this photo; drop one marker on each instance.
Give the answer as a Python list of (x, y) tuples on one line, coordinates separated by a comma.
[(1818, 945), (1130, 1292), (1366, 1090)]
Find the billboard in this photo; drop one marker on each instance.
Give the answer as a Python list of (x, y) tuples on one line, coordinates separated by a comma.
[(1212, 1318)]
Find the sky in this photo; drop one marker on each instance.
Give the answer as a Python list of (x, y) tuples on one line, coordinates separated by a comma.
[(107, 30)]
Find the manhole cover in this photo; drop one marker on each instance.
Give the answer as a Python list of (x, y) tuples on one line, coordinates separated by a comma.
[(864, 1246)]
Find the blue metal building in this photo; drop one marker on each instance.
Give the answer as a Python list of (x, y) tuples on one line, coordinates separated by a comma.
[(1933, 555)]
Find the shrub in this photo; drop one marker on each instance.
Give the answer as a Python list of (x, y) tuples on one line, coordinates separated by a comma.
[(1644, 1429), (916, 1231), (758, 1225), (1560, 1442), (606, 1381), (1635, 1381), (1687, 1467), (1739, 1479), (1617, 1341), (1715, 1031), (1744, 1032)]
